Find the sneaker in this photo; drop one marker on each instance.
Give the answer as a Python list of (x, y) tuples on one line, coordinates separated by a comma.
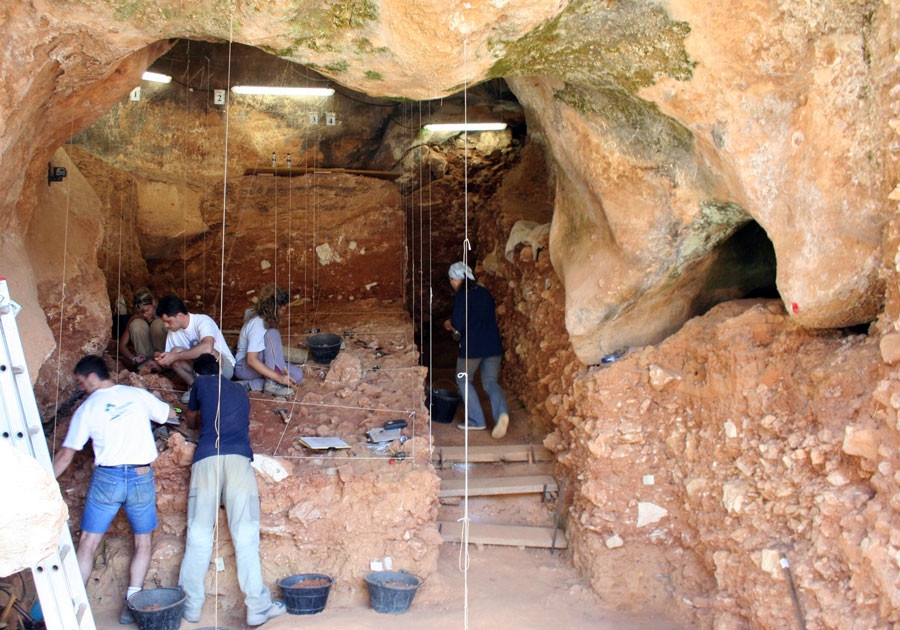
[(125, 617), (191, 617), (275, 610), (245, 384), (501, 426), (274, 388), (471, 427), (186, 397)]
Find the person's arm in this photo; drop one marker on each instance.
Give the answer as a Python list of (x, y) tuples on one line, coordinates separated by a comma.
[(206, 346), (124, 340), (254, 361), (458, 318), (62, 460)]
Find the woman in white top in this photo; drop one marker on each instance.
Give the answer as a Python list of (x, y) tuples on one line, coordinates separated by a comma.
[(260, 358)]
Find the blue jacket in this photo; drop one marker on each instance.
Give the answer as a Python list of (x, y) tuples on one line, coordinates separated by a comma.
[(484, 335)]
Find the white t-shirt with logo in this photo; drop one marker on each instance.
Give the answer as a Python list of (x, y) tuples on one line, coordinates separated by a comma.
[(199, 326), (117, 420), (253, 337)]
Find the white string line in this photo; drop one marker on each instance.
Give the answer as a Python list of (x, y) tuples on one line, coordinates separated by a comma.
[(187, 109), (62, 302), (464, 546), (430, 310), (222, 307)]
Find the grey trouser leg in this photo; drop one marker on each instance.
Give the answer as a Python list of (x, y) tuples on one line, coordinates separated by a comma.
[(237, 487), (273, 356), (158, 334), (141, 338), (467, 389)]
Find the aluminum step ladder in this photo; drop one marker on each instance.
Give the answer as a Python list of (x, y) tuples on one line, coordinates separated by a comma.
[(57, 577)]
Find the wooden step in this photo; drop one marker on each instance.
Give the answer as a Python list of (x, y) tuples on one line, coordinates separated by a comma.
[(506, 535), (487, 486), (493, 453)]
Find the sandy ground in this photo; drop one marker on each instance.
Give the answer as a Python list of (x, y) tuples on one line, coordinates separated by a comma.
[(508, 588)]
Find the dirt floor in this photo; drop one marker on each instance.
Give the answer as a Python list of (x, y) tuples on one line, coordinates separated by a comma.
[(508, 588)]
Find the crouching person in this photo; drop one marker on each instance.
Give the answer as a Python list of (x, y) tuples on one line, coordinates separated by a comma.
[(221, 473), (116, 419)]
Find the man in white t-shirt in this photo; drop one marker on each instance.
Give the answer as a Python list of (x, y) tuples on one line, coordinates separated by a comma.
[(116, 418), (190, 335)]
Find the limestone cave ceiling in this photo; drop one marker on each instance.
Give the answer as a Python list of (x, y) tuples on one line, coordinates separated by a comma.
[(669, 125)]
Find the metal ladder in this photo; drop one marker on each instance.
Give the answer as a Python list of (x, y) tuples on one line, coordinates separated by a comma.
[(57, 577)]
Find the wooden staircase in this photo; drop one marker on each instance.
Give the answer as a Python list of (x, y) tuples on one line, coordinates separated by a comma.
[(527, 464)]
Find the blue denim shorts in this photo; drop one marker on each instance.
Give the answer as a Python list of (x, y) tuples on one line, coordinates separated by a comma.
[(113, 487)]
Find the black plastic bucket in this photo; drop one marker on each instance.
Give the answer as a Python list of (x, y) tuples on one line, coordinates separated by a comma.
[(305, 600), (324, 347), (157, 608), (443, 404), (392, 592)]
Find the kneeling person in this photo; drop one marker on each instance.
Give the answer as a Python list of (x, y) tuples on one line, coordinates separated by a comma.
[(117, 420), (221, 473), (260, 355)]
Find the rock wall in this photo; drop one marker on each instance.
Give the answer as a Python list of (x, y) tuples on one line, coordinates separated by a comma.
[(62, 242), (334, 238)]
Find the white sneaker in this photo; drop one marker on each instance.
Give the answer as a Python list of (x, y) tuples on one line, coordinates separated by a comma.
[(501, 426), (471, 427), (275, 610)]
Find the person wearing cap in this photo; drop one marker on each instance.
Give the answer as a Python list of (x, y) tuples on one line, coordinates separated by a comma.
[(260, 355), (116, 418), (474, 317), (145, 332)]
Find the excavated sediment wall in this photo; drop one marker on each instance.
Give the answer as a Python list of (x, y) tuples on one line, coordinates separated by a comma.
[(693, 466), (330, 514)]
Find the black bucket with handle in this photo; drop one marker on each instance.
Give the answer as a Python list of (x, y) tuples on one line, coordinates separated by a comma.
[(444, 403)]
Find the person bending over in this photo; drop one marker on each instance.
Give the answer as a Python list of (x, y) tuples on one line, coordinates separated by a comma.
[(190, 335), (145, 332), (480, 345), (260, 357), (116, 418), (221, 473)]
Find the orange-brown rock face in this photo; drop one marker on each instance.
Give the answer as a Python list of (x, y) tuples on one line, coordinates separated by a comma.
[(737, 440), (70, 285)]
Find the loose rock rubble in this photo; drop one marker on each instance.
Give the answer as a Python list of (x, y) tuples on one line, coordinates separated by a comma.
[(333, 512)]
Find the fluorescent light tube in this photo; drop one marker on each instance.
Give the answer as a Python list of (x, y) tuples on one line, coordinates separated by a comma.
[(156, 77), (493, 126), (275, 90)]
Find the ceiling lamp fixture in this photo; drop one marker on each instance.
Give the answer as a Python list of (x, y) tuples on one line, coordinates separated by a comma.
[(156, 77), (274, 90), (491, 126)]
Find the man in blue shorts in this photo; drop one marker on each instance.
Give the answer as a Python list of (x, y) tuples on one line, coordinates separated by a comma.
[(116, 418), (221, 473)]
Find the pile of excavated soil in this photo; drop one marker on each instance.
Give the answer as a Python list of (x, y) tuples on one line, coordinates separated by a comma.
[(333, 512)]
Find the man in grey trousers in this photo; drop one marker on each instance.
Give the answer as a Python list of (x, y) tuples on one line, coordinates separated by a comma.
[(221, 472)]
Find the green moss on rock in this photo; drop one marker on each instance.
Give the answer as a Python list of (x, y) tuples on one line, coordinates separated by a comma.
[(374, 76), (596, 43)]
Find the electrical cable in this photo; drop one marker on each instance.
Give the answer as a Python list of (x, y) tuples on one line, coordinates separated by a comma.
[(62, 302)]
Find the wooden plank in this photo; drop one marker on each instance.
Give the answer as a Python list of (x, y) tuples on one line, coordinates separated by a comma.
[(495, 453), (505, 535), (283, 171), (488, 486)]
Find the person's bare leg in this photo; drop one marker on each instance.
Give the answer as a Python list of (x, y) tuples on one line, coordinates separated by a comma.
[(140, 560), (87, 547), (185, 371)]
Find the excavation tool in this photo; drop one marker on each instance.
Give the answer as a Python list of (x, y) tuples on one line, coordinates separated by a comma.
[(392, 430), (283, 413)]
